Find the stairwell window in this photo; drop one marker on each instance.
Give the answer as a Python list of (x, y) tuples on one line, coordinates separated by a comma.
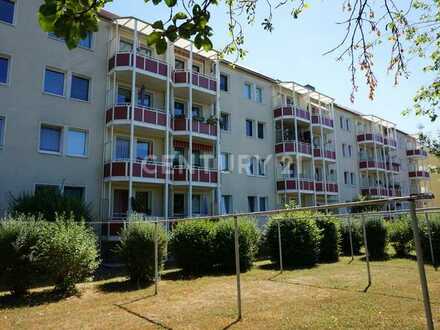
[(252, 203), (87, 41), (259, 94), (263, 204), (344, 149), (225, 161), (352, 179), (249, 128), (4, 69), (247, 91), (225, 122), (76, 142), (54, 82), (226, 204), (261, 167), (345, 177), (80, 88), (260, 130), (224, 82), (74, 192), (7, 11), (50, 139)]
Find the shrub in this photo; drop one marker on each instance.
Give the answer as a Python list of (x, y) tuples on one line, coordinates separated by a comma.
[(330, 238), (401, 236), (377, 238), (224, 243), (136, 250), (18, 266), (47, 203), (435, 234), (192, 245), (300, 238), (67, 252), (356, 238)]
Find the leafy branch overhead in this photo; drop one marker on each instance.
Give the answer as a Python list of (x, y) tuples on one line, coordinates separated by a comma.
[(409, 28)]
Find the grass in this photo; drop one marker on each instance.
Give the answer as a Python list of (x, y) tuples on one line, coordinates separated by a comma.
[(327, 296)]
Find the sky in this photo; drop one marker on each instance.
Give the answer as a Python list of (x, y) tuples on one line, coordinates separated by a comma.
[(294, 51)]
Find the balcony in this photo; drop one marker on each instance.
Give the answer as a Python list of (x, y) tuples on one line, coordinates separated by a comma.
[(291, 112), (394, 167), (419, 174), (143, 171), (145, 64), (371, 165), (204, 82), (290, 147), (369, 138), (323, 120), (200, 176), (181, 126), (332, 187), (328, 154), (143, 116), (291, 184), (419, 153), (374, 191), (390, 142)]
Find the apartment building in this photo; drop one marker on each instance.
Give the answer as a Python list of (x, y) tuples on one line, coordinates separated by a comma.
[(179, 134)]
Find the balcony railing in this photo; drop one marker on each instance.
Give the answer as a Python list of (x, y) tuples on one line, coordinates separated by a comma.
[(293, 184), (202, 175), (390, 142), (326, 153), (198, 79), (290, 146), (182, 124), (416, 152), (322, 120), (369, 137), (142, 114), (145, 63), (332, 187), (420, 174), (367, 164), (141, 169), (381, 191), (395, 167), (291, 111)]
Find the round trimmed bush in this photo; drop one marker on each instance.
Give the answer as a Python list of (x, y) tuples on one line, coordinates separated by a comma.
[(435, 234), (300, 238), (330, 238), (356, 238), (401, 236), (136, 250), (18, 266), (224, 243), (192, 245), (377, 238), (67, 252)]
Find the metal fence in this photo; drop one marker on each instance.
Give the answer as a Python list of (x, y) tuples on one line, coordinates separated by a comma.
[(332, 209)]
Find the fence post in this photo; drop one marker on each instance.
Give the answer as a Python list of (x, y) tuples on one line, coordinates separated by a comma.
[(351, 239), (156, 257), (237, 267), (428, 228), (367, 254), (280, 248), (421, 266)]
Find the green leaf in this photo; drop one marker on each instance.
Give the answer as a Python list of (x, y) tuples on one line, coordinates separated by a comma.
[(153, 38), (170, 3), (161, 46), (156, 2), (158, 25), (179, 16)]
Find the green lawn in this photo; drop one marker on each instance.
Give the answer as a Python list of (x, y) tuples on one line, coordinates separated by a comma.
[(327, 296)]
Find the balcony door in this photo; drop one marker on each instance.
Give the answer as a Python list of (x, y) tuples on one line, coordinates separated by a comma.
[(179, 204), (120, 203)]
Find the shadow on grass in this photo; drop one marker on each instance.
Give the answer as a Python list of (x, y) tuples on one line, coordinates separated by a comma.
[(123, 286), (232, 324), (33, 299), (146, 318)]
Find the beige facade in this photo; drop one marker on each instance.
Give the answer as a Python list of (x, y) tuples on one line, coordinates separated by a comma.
[(121, 138)]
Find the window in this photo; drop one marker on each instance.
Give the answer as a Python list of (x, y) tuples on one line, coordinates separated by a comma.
[(179, 64), (247, 91), (179, 156), (50, 138), (74, 192), (341, 122), (144, 98), (7, 8), (143, 150), (349, 150), (125, 46), (196, 112), (4, 69), (76, 142), (225, 161), (259, 95), (345, 177), (142, 202), (80, 88), (263, 203), (260, 130), (344, 152), (252, 166), (144, 51), (2, 130), (226, 204), (261, 167), (122, 148), (196, 204), (347, 124), (196, 68), (197, 160), (54, 82), (352, 180), (252, 201), (224, 82), (87, 41), (224, 121), (124, 95), (249, 128), (179, 109)]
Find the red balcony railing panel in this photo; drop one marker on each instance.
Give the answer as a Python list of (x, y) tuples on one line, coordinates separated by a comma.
[(123, 59), (163, 69), (121, 112), (180, 77), (316, 152), (179, 174), (319, 186), (119, 169), (214, 177)]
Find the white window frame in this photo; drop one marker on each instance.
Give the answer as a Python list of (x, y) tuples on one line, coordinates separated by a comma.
[(253, 128), (261, 94), (61, 143), (86, 147), (250, 96), (228, 128), (3, 138), (9, 70), (66, 78), (81, 76), (261, 162), (228, 157), (14, 18)]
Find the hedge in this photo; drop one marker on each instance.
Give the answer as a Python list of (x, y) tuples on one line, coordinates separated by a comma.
[(435, 234), (330, 238), (356, 237), (401, 236), (377, 238)]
